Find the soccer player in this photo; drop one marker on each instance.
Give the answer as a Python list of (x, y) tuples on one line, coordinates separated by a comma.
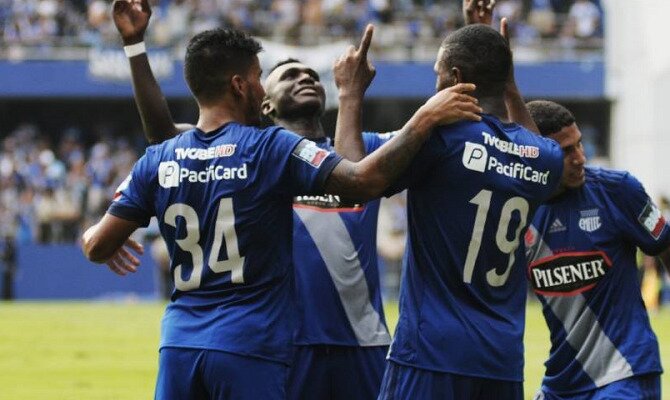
[(341, 334), (222, 193), (581, 252), (473, 188)]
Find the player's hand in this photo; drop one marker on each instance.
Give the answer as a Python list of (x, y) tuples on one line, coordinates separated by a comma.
[(353, 71), (123, 261), (478, 11), (131, 18), (453, 104)]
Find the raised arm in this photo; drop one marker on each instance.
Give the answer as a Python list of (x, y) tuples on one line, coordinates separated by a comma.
[(516, 106), (353, 74), (481, 12), (368, 178), (131, 18)]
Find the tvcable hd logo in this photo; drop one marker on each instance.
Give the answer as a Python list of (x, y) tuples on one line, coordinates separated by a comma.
[(171, 174), (476, 158)]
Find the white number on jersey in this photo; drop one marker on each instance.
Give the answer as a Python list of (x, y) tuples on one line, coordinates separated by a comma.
[(224, 232), (483, 201)]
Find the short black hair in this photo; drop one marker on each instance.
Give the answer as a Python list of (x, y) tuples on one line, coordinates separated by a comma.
[(283, 62), (213, 57), (482, 55), (550, 117)]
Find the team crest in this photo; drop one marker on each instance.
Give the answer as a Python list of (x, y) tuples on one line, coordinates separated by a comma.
[(590, 220)]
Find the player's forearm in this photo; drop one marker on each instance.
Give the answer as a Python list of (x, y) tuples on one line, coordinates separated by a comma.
[(348, 139), (370, 177), (94, 246), (516, 108), (102, 240), (153, 108)]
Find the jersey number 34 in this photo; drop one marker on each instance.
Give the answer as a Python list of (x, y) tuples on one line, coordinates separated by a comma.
[(224, 232)]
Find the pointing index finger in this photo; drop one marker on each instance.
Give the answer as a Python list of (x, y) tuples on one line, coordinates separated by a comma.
[(366, 40)]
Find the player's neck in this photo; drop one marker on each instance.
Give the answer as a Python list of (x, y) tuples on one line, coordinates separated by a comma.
[(214, 116), (494, 106), (311, 128)]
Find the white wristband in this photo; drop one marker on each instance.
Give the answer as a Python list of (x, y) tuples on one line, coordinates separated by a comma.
[(135, 49)]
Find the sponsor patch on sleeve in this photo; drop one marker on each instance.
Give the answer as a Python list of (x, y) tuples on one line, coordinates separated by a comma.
[(652, 219), (310, 153), (123, 186)]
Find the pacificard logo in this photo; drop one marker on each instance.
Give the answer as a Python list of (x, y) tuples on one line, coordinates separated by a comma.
[(567, 274), (171, 174), (476, 158)]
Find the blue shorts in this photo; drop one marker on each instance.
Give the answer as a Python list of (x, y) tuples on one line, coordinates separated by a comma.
[(643, 387), (194, 374), (404, 383), (327, 372)]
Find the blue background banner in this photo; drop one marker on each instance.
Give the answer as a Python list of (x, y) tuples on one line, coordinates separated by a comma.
[(62, 272), (81, 79)]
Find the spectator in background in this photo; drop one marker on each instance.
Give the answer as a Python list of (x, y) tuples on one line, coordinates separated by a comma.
[(583, 20), (57, 186), (9, 263), (391, 239), (542, 18)]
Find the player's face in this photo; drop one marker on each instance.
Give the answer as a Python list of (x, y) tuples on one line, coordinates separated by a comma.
[(445, 78), (255, 94), (294, 90), (570, 140)]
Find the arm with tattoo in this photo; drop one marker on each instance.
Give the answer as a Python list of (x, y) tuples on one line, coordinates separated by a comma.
[(368, 178)]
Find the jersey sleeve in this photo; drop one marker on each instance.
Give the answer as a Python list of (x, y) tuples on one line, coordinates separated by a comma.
[(309, 167), (134, 197), (373, 141), (641, 222), (420, 167), (303, 167), (556, 168)]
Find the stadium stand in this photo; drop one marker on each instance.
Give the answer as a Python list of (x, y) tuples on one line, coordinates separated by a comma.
[(34, 28)]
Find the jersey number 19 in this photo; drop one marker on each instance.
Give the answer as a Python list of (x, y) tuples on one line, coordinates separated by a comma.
[(483, 202)]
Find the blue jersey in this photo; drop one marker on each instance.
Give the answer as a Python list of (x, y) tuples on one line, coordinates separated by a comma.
[(472, 191), (581, 250), (223, 202), (337, 277)]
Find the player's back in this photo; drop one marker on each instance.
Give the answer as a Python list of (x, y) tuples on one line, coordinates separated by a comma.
[(337, 277), (474, 189), (223, 202)]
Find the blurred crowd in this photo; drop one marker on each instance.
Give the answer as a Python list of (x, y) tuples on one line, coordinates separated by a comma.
[(49, 192), (402, 23)]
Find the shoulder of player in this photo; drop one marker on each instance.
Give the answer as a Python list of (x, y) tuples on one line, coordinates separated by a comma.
[(611, 180)]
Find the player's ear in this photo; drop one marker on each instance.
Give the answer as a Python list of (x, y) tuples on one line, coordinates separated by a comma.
[(267, 108), (456, 75), (238, 86)]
